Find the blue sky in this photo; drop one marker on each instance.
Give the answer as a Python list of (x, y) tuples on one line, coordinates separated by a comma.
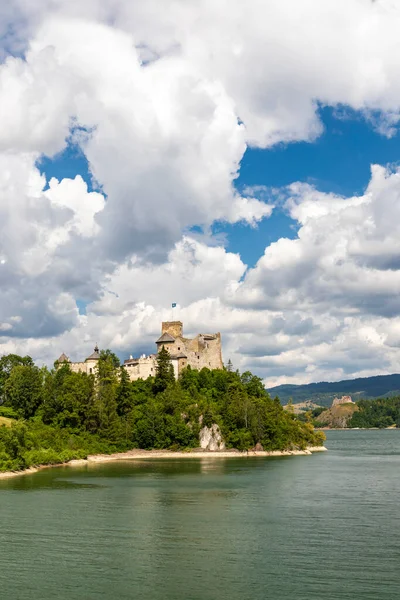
[(338, 161)]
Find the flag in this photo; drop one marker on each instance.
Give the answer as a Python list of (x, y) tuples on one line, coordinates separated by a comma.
[(174, 305)]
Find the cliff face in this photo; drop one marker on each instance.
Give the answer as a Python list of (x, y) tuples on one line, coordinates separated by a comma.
[(337, 417), (211, 438)]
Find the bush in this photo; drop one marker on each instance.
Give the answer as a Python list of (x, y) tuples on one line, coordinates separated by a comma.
[(8, 412)]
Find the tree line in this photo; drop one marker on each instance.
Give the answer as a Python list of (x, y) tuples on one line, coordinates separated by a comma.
[(383, 412), (60, 414)]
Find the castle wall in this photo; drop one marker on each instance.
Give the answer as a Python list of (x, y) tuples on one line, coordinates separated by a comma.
[(146, 367), (142, 369), (78, 367), (207, 353), (175, 365), (91, 366), (202, 351)]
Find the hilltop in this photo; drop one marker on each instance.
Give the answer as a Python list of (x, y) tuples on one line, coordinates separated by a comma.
[(337, 416), (324, 392)]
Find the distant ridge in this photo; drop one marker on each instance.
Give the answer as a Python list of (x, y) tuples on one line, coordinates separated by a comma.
[(324, 392)]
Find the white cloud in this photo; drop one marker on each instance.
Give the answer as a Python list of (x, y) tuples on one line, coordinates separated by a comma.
[(346, 257), (43, 237), (166, 96)]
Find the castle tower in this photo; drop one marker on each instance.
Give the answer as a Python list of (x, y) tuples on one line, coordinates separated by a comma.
[(173, 328), (91, 361)]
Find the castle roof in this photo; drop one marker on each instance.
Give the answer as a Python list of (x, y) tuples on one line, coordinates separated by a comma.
[(165, 338), (179, 355), (63, 358), (95, 355), (131, 361)]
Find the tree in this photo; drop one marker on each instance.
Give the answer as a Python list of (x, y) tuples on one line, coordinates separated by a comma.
[(124, 393), (229, 366), (188, 379), (67, 397), (106, 396), (23, 389), (253, 384), (7, 363), (164, 372), (104, 354)]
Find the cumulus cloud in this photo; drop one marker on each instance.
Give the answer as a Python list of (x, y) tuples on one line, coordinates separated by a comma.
[(43, 235), (278, 61), (336, 285), (345, 258), (163, 98)]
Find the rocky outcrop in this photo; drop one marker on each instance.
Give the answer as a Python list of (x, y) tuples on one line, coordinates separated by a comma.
[(211, 438), (258, 448), (337, 417)]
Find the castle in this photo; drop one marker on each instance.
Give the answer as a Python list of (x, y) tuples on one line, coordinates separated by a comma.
[(342, 400), (88, 366), (202, 351)]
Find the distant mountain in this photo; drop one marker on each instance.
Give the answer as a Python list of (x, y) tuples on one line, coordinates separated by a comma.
[(323, 393)]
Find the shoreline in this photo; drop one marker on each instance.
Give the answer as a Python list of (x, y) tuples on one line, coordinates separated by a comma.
[(137, 454), (391, 428)]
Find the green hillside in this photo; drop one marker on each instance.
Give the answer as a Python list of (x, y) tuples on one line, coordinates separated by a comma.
[(324, 392)]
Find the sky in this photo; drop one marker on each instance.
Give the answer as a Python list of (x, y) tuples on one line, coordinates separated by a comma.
[(241, 160)]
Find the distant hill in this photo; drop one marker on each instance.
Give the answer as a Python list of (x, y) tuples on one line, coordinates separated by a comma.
[(323, 393)]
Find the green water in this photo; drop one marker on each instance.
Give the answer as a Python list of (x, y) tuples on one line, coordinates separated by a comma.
[(324, 527)]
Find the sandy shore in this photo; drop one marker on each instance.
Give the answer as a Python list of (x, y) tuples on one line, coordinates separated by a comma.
[(152, 454)]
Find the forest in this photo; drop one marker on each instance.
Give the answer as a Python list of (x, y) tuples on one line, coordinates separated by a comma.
[(384, 412), (50, 416)]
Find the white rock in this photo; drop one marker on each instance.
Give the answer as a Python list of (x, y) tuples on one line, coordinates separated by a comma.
[(211, 438)]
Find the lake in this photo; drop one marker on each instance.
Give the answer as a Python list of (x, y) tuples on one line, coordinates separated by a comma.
[(323, 527)]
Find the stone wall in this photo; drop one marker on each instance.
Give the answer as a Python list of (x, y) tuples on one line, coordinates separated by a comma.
[(204, 350), (141, 368), (78, 367), (174, 328)]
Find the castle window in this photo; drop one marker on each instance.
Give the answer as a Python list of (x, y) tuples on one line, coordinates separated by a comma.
[(151, 368), (178, 347), (90, 371)]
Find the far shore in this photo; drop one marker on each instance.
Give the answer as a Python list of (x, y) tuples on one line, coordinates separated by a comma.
[(391, 428), (137, 454)]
